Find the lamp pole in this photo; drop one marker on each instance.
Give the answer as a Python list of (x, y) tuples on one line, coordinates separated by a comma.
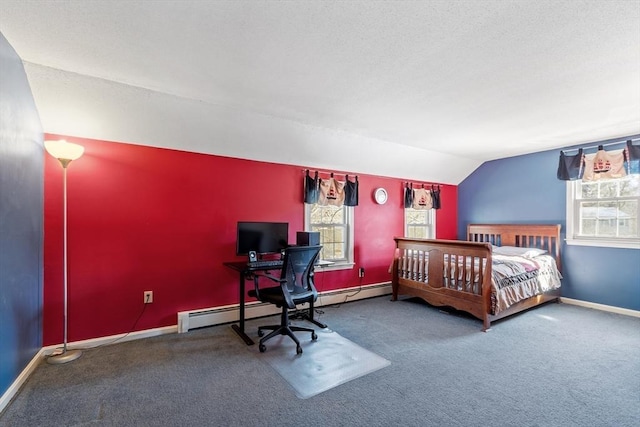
[(65, 152)]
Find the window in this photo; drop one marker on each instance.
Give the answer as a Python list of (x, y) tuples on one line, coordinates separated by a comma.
[(604, 213), (420, 223), (335, 224)]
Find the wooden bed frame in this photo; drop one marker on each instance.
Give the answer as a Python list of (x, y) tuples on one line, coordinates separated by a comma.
[(461, 259)]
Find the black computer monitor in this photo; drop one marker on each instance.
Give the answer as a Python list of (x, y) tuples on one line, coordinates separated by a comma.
[(262, 237)]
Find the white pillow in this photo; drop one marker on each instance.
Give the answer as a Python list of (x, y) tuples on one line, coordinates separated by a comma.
[(516, 251)]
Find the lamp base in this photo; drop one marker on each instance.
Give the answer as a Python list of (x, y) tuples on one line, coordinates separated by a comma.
[(64, 357)]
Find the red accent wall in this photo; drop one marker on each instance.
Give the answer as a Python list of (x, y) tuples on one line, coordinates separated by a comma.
[(143, 218)]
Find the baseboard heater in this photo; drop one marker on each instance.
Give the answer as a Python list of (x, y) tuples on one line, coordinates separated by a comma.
[(193, 319)]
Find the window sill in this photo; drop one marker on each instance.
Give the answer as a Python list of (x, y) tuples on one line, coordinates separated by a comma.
[(603, 243), (334, 267)]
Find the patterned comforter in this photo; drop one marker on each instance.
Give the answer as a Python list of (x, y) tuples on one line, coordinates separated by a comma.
[(515, 278)]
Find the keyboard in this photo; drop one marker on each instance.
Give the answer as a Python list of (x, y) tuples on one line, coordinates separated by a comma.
[(275, 263)]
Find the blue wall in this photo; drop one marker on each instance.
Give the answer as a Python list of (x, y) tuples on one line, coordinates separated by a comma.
[(21, 219), (524, 189)]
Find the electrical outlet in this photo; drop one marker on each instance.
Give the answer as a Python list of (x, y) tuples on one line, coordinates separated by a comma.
[(361, 272), (148, 297)]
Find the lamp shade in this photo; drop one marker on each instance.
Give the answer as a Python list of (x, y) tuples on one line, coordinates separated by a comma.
[(63, 150)]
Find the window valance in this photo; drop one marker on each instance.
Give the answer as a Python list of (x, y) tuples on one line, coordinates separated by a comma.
[(422, 197), (330, 191), (603, 164)]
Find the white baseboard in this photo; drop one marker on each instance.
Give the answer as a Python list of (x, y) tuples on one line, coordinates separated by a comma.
[(193, 319), (19, 382), (602, 307), (112, 339)]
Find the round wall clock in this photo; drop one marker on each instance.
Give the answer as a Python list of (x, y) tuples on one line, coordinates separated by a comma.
[(380, 196)]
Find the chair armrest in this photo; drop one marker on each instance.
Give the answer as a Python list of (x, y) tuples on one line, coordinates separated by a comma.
[(287, 295), (256, 282), (269, 276)]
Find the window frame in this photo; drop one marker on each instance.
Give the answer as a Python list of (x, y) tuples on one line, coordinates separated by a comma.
[(430, 225), (349, 262), (572, 225)]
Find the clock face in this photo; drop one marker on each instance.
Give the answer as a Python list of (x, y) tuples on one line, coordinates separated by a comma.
[(380, 195)]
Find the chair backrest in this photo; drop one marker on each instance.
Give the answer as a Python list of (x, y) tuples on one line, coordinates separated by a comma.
[(297, 268)]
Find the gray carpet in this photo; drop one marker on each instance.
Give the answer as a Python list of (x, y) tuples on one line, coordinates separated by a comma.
[(556, 365)]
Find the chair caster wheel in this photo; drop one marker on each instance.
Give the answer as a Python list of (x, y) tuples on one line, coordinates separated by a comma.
[(299, 350), (314, 336), (260, 332), (262, 348)]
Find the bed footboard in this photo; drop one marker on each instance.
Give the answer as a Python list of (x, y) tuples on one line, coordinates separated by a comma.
[(445, 273)]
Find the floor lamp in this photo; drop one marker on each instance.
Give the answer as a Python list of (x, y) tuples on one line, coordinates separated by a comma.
[(65, 152)]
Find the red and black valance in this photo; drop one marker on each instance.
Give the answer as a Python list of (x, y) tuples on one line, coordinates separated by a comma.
[(422, 197), (601, 164), (330, 191)]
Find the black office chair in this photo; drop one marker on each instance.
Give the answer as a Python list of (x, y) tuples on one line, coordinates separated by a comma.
[(295, 287)]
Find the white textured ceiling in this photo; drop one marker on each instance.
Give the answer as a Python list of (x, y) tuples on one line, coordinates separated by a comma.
[(472, 80)]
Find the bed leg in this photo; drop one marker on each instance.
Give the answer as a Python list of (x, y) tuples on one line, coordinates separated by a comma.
[(486, 325)]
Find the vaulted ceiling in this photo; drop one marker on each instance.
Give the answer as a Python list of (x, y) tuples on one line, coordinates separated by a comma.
[(416, 89)]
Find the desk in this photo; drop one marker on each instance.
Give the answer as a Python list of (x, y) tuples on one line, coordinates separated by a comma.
[(247, 272)]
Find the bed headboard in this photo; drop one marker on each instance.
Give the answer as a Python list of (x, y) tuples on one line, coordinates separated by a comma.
[(542, 236)]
